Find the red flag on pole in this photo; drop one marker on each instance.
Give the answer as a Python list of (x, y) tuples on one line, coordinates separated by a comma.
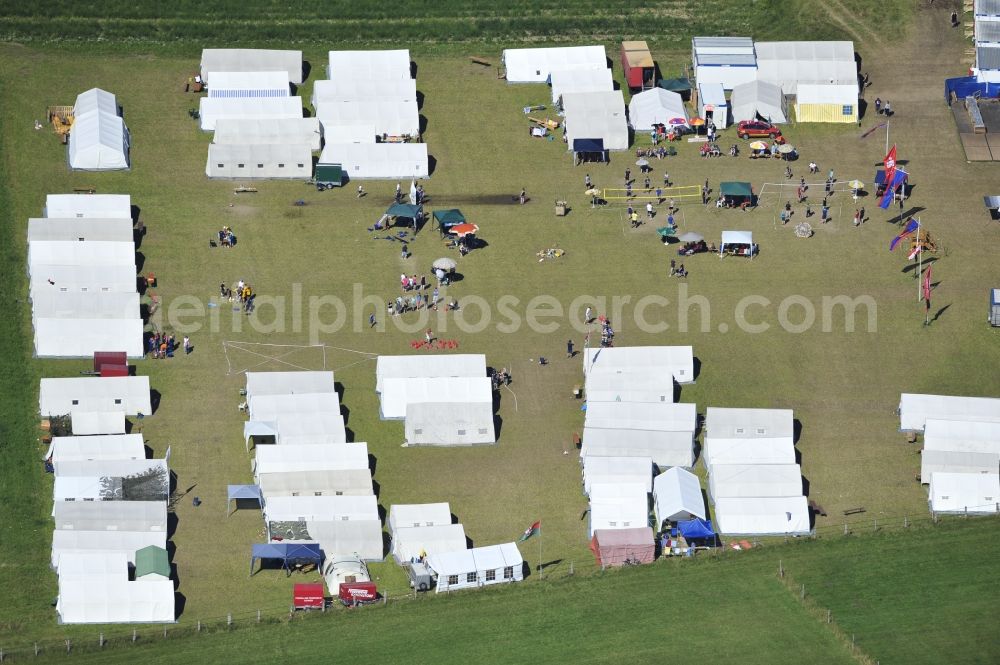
[(927, 283), (890, 165)]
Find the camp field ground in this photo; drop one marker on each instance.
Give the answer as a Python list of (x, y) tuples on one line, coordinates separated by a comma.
[(843, 386)]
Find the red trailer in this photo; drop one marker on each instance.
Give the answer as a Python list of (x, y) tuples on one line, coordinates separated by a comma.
[(102, 358), (640, 72), (358, 593), (308, 597), (114, 370)]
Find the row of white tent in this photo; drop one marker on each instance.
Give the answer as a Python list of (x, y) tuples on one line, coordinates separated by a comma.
[(82, 277), (960, 460), (445, 400), (99, 140)]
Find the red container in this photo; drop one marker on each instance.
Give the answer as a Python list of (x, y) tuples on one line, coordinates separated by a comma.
[(308, 597), (114, 370), (357, 593), (638, 65), (102, 358)]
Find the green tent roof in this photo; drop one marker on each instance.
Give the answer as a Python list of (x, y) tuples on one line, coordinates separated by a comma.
[(675, 85), (403, 210), (152, 559), (735, 189), (449, 217)]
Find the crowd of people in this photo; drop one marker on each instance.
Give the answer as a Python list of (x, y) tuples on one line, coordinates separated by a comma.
[(163, 345), (226, 237)]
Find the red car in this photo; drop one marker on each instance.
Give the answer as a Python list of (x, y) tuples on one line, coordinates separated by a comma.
[(759, 130)]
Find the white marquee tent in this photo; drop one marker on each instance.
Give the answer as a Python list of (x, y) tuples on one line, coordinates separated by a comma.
[(259, 161), (398, 393), (364, 89), (268, 407), (449, 424), (129, 394), (666, 449), (282, 131), (610, 469), (915, 410), (789, 64), (950, 461), (580, 80), (212, 109), (656, 416), (249, 84), (336, 457), (964, 493), (351, 482), (50, 304), (596, 115), (412, 542), (962, 435), (477, 567), (110, 516), (392, 117), (289, 383), (726, 481), (534, 65), (76, 253), (299, 429), (378, 161), (749, 436), (86, 229), (99, 141), (105, 600), (126, 542), (80, 338), (617, 506), (82, 278), (676, 360), (106, 447), (651, 385), (251, 60), (321, 508), (464, 364), (98, 206), (411, 515), (360, 537), (654, 106), (677, 496), (755, 98), (97, 422), (762, 516), (369, 65)]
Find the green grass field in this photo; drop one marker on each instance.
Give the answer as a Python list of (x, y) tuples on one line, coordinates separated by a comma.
[(843, 386)]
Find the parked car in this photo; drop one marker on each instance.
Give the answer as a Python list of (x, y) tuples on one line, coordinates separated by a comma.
[(759, 130)]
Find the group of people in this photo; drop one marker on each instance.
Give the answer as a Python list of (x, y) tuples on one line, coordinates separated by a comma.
[(607, 332), (657, 152), (500, 378), (677, 271), (411, 283), (883, 108), (226, 237), (690, 248), (243, 294), (163, 345)]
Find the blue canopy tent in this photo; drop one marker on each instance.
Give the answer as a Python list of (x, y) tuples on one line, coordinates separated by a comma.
[(589, 150), (697, 529), (244, 493), (290, 554)]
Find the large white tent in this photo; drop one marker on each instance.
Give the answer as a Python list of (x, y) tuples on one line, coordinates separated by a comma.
[(580, 80), (449, 424), (754, 480), (656, 416), (129, 394), (320, 508), (964, 493), (282, 131), (249, 84), (98, 206), (617, 506), (477, 567), (677, 496), (105, 600), (675, 360), (392, 117), (356, 482), (259, 161), (652, 385), (80, 338), (289, 383), (110, 516), (790, 64), (411, 515), (336, 457), (915, 410), (976, 436), (398, 393), (762, 516), (755, 98), (369, 65), (726, 60), (534, 65), (409, 543), (97, 422), (99, 141), (212, 109), (433, 365), (299, 429), (379, 161), (268, 407), (80, 230), (251, 60), (50, 304), (126, 542), (347, 90), (76, 253), (92, 565), (110, 468), (110, 446), (360, 537), (351, 134), (82, 278), (666, 449), (932, 461), (749, 436), (654, 106), (596, 115), (610, 469)]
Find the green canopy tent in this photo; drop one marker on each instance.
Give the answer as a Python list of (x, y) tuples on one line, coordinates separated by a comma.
[(448, 218), (152, 563), (736, 193), (679, 85), (412, 215)]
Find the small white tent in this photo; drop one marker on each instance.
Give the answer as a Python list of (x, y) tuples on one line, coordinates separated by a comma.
[(596, 115), (92, 565), (251, 60), (379, 161), (652, 385), (299, 429), (915, 410), (677, 496), (610, 469), (111, 446), (289, 383), (99, 142), (726, 60), (410, 515), (336, 457), (964, 493), (76, 253), (534, 65), (259, 161), (749, 436), (737, 238), (477, 567), (433, 365), (932, 461), (727, 481), (129, 394), (655, 106), (412, 542), (762, 516), (449, 424), (269, 407), (282, 131), (212, 109), (369, 65), (675, 360), (397, 393), (49, 304), (81, 338), (713, 106), (617, 506), (105, 600), (97, 206), (580, 80), (121, 278), (761, 98)]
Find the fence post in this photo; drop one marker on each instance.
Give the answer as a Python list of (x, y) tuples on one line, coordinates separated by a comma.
[(906, 522), (829, 616), (258, 611), (68, 646), (802, 594), (876, 523), (135, 636), (1, 655), (571, 564), (845, 528), (852, 641), (199, 625), (164, 632), (100, 639), (781, 570), (229, 620), (36, 648)]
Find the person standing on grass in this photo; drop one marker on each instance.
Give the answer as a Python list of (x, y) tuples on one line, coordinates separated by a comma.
[(524, 196), (588, 315), (399, 192), (649, 210), (569, 348), (857, 217), (187, 345), (361, 191), (587, 182), (429, 336), (861, 215)]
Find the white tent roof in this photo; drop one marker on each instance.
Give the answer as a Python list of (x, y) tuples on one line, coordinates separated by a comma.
[(268, 407), (98, 422), (449, 423), (915, 410), (479, 566), (80, 338), (321, 508), (950, 461), (409, 515), (84, 304), (651, 385), (74, 228), (364, 89), (791, 64), (762, 516), (369, 65), (657, 416), (465, 364), (385, 161), (754, 480), (76, 253), (827, 93), (676, 360), (125, 542), (361, 537), (105, 600), (352, 482), (212, 109), (618, 506), (737, 237), (393, 117), (962, 435), (129, 394), (973, 493), (749, 99), (92, 565), (749, 436), (99, 206), (677, 496), (259, 161), (666, 449), (109, 468), (280, 131), (411, 542), (109, 516), (336, 457), (350, 134), (596, 115), (597, 79), (99, 141), (611, 469), (289, 383), (294, 429), (109, 446), (398, 393), (82, 278), (251, 60), (533, 65), (654, 106), (95, 100), (249, 84)]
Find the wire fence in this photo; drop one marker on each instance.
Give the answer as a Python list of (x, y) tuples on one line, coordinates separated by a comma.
[(189, 627)]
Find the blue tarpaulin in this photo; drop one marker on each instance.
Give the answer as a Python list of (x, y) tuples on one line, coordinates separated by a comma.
[(588, 145), (696, 529), (288, 553), (967, 85)]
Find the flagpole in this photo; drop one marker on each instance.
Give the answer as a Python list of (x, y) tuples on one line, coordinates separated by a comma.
[(540, 571), (887, 134), (920, 259)]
